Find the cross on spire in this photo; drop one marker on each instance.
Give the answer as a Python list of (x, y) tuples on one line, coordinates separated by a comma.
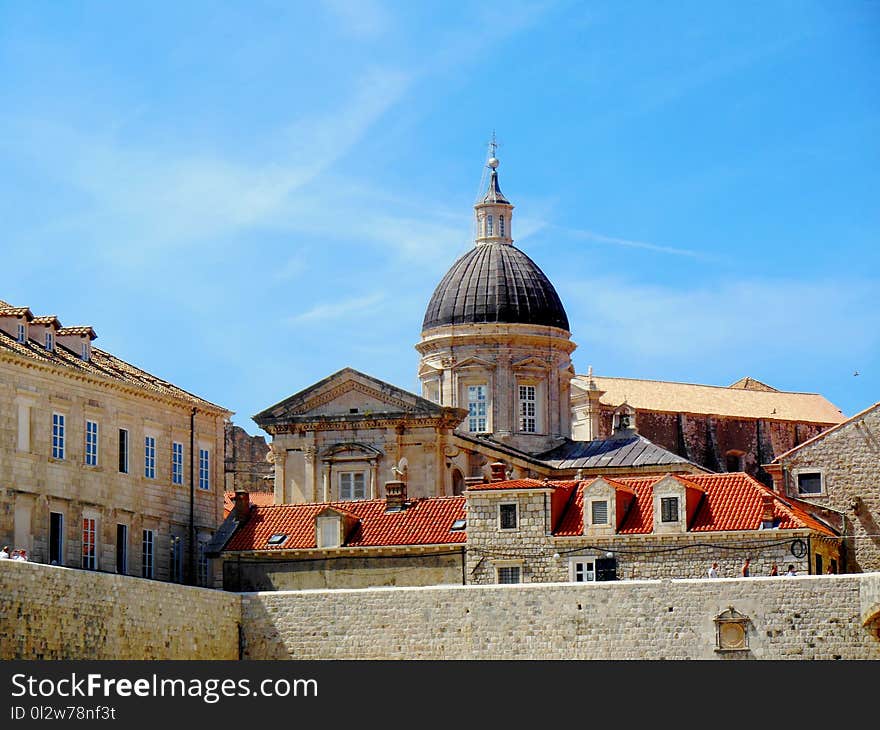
[(493, 145)]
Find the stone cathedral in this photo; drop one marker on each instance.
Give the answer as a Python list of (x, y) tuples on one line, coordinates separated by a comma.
[(499, 392)]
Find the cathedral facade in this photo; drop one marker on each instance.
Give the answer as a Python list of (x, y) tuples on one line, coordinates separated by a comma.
[(499, 391)]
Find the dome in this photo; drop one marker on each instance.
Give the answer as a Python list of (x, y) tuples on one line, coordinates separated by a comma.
[(495, 282)]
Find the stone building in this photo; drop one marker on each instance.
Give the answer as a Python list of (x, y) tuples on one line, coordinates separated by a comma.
[(394, 541), (498, 384), (248, 462), (672, 526), (103, 466), (838, 470), (724, 429)]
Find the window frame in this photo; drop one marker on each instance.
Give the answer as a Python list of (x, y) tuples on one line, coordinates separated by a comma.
[(92, 441), (148, 550), (123, 449), (122, 549), (50, 341), (501, 512), (796, 475), (89, 536), (526, 419), (204, 469), (60, 539), (350, 474), (149, 456), (177, 462), (176, 556), (509, 566), (474, 419), (665, 503), (21, 336), (59, 423), (582, 560), (604, 502)]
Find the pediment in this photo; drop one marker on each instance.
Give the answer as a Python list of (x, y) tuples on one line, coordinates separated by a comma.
[(531, 363), (474, 362), (347, 393), (426, 369)]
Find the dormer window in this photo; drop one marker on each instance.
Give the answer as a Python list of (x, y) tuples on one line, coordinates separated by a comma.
[(669, 509), (329, 531), (22, 333), (85, 353), (490, 227), (50, 341), (599, 512)]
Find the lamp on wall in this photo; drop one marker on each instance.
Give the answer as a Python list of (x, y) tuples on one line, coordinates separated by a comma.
[(556, 556)]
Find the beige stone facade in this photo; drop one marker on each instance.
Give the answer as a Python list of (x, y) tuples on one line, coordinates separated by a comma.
[(87, 450), (839, 470)]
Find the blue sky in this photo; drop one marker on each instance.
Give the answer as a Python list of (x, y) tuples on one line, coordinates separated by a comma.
[(245, 197)]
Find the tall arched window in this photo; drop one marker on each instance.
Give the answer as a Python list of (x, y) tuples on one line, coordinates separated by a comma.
[(501, 225), (489, 226)]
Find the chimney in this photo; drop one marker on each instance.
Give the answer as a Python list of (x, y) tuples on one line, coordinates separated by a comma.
[(395, 495), (499, 473), (768, 517), (242, 507)]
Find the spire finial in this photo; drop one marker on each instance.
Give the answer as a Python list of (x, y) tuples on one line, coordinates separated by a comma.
[(493, 146)]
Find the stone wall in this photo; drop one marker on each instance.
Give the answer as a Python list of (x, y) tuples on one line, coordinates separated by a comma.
[(810, 617), (848, 460), (60, 613), (247, 465)]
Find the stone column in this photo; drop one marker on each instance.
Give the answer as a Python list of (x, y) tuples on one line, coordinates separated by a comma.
[(374, 478), (310, 486), (327, 474)]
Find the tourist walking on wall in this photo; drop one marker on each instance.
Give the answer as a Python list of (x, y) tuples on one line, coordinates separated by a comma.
[(745, 568), (790, 571), (4, 553), (774, 569), (713, 570)]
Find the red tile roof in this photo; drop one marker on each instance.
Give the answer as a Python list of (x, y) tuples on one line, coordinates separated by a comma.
[(732, 502), (424, 522), (519, 484), (262, 499)]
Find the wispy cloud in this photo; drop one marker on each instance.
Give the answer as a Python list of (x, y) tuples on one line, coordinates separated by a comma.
[(329, 311), (628, 243), (359, 18)]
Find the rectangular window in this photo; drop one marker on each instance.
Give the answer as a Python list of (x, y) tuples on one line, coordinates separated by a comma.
[(507, 516), (85, 351), (177, 463), (501, 225), (89, 547), (122, 549), (57, 436), (91, 443), (669, 509), (476, 408), (509, 574), (150, 457), (22, 333), (583, 571), (527, 409), (203, 564), (176, 560), (204, 469), (599, 513), (50, 342), (809, 482), (352, 485), (818, 564), (123, 451), (56, 538), (147, 563)]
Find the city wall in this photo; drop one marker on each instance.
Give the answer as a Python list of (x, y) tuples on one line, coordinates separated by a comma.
[(49, 612)]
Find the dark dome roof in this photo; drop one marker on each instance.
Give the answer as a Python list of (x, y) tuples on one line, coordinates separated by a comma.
[(495, 282)]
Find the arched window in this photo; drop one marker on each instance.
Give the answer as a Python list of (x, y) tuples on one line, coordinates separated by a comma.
[(501, 225), (489, 226)]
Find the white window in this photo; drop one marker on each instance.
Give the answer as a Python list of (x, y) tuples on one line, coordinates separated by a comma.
[(328, 532), (50, 341), (582, 570), (527, 408), (203, 563), (177, 463), (123, 451), (476, 408), (490, 228), (810, 482), (204, 469), (507, 516), (150, 457), (91, 443), (147, 563), (599, 512), (57, 436), (86, 351), (501, 225), (669, 509), (22, 333), (176, 560), (508, 574), (89, 544), (352, 485)]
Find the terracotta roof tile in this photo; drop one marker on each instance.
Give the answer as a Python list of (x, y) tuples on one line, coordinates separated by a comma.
[(47, 319), (424, 522), (520, 484), (83, 330), (261, 499), (7, 311)]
